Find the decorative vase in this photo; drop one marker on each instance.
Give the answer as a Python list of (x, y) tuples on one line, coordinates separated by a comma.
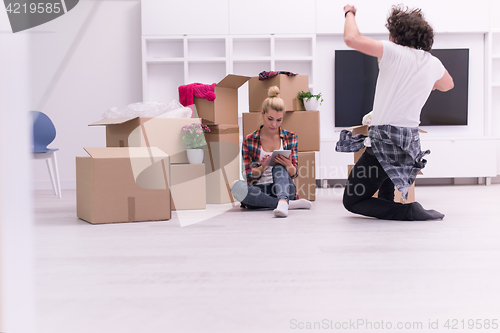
[(195, 156), (311, 105)]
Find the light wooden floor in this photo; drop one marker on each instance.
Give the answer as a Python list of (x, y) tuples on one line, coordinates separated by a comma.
[(249, 272)]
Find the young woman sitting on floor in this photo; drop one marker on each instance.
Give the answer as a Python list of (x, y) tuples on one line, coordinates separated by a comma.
[(270, 186)]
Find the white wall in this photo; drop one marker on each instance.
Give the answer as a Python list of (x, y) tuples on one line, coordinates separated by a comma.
[(444, 15), (84, 63), (17, 297)]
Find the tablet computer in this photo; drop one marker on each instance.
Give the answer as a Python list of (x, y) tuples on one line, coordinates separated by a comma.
[(285, 153)]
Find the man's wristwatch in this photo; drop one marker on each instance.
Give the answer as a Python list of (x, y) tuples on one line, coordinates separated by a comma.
[(349, 11)]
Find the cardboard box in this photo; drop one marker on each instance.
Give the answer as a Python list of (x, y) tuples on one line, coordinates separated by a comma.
[(224, 109), (397, 194), (363, 129), (289, 86), (188, 186), (123, 185), (303, 123), (164, 133), (306, 180), (222, 162)]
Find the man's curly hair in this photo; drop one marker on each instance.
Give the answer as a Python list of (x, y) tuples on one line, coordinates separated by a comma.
[(408, 27)]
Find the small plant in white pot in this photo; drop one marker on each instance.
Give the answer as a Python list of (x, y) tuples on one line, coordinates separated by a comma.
[(194, 138), (311, 102)]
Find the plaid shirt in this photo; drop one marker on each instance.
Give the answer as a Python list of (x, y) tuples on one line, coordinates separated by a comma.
[(251, 151), (396, 148), (267, 75)]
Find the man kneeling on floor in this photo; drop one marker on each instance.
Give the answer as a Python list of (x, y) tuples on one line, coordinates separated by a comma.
[(407, 75)]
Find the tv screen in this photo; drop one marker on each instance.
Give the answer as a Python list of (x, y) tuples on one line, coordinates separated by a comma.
[(356, 77)]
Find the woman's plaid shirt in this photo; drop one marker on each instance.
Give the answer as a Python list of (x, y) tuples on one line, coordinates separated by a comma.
[(251, 151)]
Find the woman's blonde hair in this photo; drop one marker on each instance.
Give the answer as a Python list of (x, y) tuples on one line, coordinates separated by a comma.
[(273, 101)]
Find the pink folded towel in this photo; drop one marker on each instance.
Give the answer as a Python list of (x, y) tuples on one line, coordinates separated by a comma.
[(186, 92)]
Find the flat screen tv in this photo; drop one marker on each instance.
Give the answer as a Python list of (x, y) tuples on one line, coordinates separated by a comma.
[(356, 76)]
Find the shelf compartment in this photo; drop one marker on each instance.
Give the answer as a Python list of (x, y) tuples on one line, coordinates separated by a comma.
[(495, 71), (495, 48), (206, 73), (163, 81), (295, 59), (206, 48), (251, 59), (164, 48), (206, 60), (251, 68), (164, 60), (299, 67), (495, 106), (251, 47), (296, 47)]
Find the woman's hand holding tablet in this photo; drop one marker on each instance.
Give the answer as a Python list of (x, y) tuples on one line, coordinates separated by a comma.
[(280, 156)]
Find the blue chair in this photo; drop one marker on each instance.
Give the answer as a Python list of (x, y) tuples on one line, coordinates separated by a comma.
[(44, 132)]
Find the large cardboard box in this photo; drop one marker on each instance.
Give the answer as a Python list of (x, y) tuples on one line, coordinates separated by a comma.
[(306, 180), (289, 86), (303, 123), (123, 185), (224, 109), (188, 186), (363, 129), (164, 133), (222, 162)]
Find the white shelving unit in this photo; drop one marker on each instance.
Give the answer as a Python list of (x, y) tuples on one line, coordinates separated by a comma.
[(171, 61)]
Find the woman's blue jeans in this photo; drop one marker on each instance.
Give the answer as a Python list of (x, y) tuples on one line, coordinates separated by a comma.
[(266, 195)]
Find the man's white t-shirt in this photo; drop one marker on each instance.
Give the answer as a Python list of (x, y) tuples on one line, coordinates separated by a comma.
[(405, 80)]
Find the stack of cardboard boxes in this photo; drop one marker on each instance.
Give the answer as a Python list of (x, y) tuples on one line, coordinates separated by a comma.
[(141, 175), (143, 172), (222, 158), (305, 124)]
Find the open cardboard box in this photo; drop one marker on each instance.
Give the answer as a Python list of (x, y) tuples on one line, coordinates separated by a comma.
[(303, 123), (164, 133), (123, 185), (363, 129), (289, 86), (222, 162), (224, 109)]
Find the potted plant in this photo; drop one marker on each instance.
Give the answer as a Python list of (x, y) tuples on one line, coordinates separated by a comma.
[(194, 137), (310, 101)]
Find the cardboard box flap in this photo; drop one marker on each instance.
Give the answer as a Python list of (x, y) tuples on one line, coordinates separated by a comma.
[(224, 129), (111, 121), (126, 152), (233, 81), (360, 126)]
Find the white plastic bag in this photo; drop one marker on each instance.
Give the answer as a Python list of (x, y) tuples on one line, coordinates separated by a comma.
[(175, 109), (150, 109)]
